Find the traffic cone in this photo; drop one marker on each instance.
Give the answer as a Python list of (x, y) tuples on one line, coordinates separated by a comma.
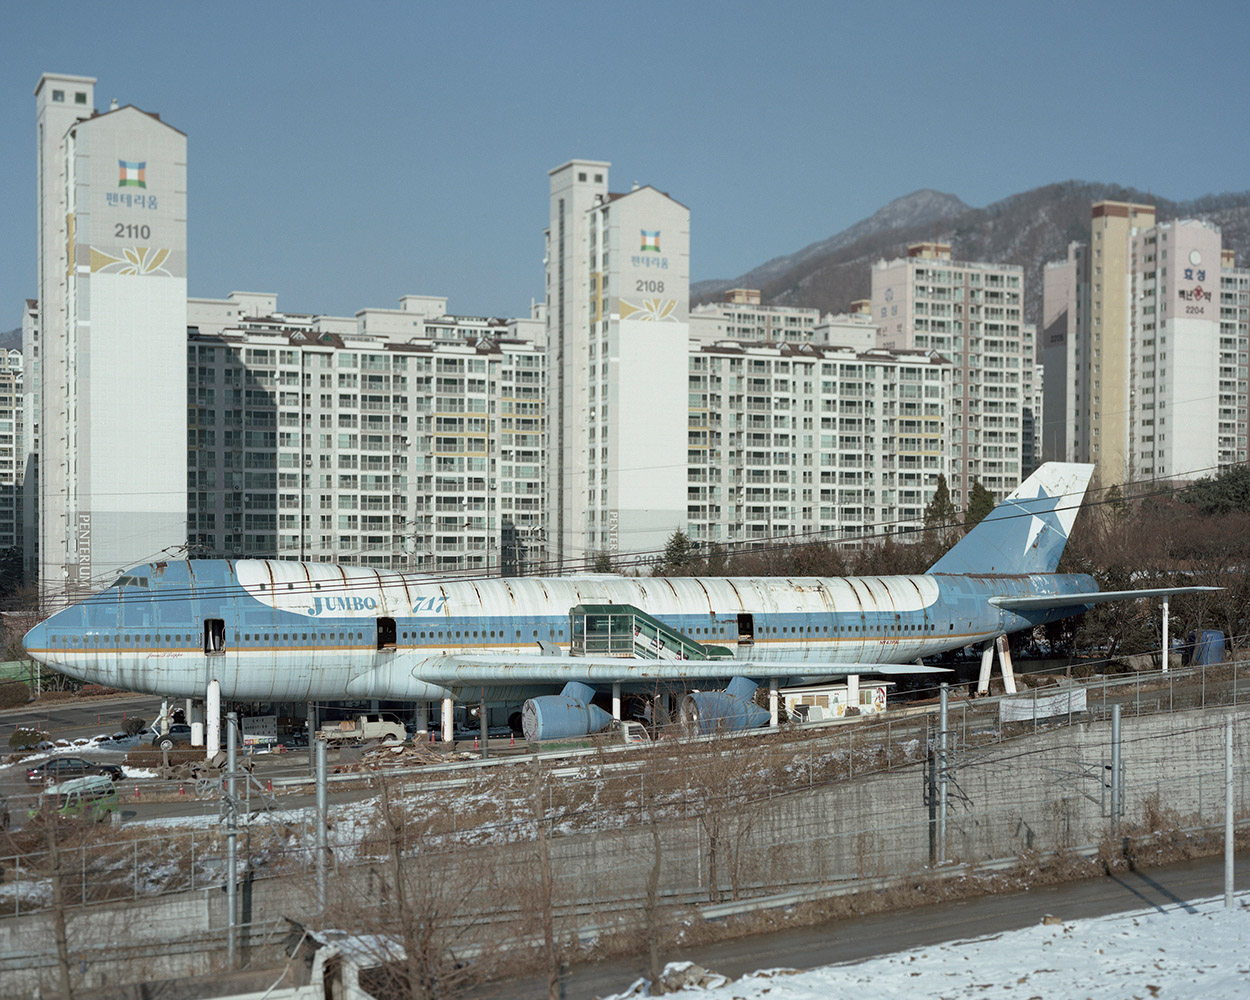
[(137, 792), (475, 743), (181, 790), (512, 741), (269, 784)]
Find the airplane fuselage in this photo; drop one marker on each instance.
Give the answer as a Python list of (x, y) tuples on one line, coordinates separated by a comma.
[(286, 631)]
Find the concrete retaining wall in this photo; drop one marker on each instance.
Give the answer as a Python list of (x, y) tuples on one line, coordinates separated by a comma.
[(1041, 792)]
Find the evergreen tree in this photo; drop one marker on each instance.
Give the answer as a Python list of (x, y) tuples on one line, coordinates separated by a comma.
[(603, 563), (679, 553), (940, 514), (980, 503), (1222, 494)]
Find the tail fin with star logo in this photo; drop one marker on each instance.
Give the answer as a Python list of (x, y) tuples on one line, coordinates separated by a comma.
[(1027, 532)]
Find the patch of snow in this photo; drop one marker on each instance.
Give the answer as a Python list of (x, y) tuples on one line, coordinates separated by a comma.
[(1188, 950), (36, 893)]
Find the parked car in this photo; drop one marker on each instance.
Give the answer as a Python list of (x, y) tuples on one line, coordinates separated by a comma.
[(57, 769), (179, 732), (92, 797)]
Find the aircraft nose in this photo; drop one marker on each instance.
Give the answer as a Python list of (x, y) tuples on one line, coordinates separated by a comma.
[(37, 638)]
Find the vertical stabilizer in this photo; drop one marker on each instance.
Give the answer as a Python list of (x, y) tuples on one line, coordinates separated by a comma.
[(1027, 532)]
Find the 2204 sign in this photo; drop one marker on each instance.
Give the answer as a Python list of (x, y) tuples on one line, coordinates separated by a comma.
[(131, 231)]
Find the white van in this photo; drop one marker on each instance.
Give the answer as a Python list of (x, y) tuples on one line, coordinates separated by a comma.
[(91, 798)]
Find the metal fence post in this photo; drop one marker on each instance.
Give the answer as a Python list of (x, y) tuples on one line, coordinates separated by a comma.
[(1228, 811), (1115, 768)]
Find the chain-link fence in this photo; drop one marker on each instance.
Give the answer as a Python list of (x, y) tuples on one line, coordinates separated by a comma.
[(633, 833)]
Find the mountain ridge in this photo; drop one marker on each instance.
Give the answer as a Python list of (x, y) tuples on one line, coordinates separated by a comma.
[(1029, 228)]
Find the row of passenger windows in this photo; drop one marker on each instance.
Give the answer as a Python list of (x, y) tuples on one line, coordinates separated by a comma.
[(95, 640)]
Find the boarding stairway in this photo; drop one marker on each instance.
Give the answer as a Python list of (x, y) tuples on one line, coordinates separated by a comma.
[(624, 630)]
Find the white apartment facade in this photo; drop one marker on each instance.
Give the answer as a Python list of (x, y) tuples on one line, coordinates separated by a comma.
[(618, 280), (812, 442), (741, 317), (423, 454), (111, 337), (30, 441), (971, 314), (12, 454)]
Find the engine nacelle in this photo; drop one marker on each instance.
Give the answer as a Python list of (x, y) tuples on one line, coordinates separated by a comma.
[(731, 710), (569, 713)]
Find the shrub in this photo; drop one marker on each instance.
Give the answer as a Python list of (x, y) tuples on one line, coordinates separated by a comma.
[(150, 759), (13, 694), (25, 739), (134, 726), (95, 690)]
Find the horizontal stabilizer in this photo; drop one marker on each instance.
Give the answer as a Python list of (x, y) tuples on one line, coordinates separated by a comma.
[(1088, 599)]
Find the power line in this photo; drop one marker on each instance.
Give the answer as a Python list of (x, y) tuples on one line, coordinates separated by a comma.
[(355, 578)]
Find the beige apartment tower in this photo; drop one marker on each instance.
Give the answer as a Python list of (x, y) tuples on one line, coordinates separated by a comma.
[(1145, 345)]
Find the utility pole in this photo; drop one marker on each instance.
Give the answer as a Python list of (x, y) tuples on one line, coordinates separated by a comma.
[(483, 724), (1115, 768), (323, 846), (942, 772), (232, 837), (1228, 811)]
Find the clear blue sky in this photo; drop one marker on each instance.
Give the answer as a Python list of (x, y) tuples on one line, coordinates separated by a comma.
[(343, 155)]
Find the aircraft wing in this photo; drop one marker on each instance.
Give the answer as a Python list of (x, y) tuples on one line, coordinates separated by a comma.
[(467, 669), (1091, 598)]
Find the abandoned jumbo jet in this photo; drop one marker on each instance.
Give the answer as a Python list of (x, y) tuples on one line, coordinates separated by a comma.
[(257, 630)]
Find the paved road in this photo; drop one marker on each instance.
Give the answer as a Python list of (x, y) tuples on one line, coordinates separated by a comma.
[(69, 720), (849, 940)]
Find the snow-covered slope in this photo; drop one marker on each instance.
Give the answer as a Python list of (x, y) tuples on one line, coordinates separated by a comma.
[(1191, 950)]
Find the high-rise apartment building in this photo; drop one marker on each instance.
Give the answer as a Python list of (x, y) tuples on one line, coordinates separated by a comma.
[(804, 441), (417, 450), (30, 441), (1145, 341), (741, 317), (112, 337), (970, 313), (617, 306), (1234, 417), (12, 461), (1065, 311)]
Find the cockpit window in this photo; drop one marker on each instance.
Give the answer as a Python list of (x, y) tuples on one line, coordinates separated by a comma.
[(126, 580)]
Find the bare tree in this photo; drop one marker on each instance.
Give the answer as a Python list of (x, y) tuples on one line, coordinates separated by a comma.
[(552, 958), (651, 918), (60, 932), (413, 910)]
